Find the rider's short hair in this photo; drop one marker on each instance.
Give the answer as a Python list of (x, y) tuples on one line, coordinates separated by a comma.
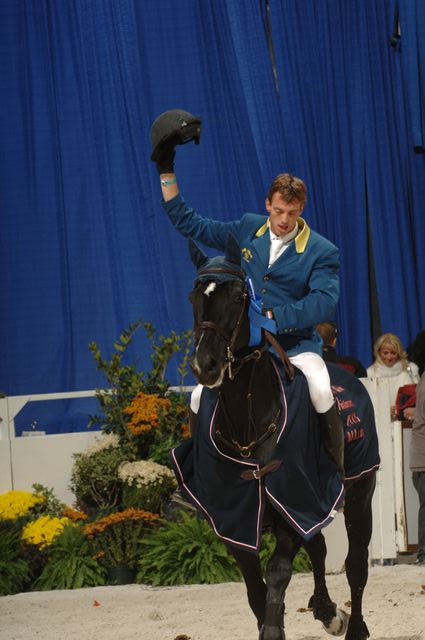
[(290, 188)]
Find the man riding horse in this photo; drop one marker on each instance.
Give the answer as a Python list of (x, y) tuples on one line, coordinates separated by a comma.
[(293, 268)]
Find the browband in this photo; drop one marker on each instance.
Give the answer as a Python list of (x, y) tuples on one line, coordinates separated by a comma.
[(238, 274)]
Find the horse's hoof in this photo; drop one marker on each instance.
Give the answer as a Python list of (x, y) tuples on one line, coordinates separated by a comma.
[(338, 625), (323, 609), (357, 630), (271, 633)]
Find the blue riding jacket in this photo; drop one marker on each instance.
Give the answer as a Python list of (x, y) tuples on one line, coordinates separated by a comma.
[(301, 286)]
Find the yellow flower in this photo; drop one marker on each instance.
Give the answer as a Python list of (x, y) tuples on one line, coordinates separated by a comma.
[(44, 530), (17, 503)]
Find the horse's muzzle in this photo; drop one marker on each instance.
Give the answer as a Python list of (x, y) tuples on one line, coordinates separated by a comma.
[(210, 374)]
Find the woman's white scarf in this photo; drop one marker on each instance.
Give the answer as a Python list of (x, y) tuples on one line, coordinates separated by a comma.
[(382, 371)]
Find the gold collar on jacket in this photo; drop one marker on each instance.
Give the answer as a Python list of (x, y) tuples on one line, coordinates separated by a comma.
[(301, 238)]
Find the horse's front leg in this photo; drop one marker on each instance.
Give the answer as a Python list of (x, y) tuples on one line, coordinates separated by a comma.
[(278, 575), (250, 567)]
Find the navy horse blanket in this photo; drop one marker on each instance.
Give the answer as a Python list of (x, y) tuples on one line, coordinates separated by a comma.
[(306, 489)]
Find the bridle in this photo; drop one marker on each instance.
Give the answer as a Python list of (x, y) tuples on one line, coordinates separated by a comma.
[(229, 338)]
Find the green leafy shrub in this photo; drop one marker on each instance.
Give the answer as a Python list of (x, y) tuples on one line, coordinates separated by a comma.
[(70, 565), (14, 570), (125, 382), (185, 552), (173, 428), (94, 478), (50, 505)]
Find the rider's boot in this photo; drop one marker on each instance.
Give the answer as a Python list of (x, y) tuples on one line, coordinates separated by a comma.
[(332, 433)]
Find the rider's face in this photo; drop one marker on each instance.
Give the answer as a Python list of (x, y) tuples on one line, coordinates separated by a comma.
[(283, 215)]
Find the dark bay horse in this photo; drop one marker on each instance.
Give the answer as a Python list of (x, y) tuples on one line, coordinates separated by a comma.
[(255, 458)]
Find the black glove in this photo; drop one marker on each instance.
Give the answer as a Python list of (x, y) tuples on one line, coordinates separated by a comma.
[(164, 157), (170, 129)]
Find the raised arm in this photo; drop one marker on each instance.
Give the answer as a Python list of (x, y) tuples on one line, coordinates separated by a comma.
[(170, 129)]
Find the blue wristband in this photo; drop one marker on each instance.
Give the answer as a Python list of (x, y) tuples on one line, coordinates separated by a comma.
[(166, 183)]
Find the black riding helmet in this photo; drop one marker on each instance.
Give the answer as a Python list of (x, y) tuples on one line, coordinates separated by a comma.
[(176, 127)]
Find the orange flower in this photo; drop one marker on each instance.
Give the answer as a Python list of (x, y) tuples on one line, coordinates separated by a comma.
[(101, 525), (74, 514), (185, 430), (145, 410)]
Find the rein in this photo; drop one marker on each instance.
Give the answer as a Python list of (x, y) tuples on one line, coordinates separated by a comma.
[(246, 450)]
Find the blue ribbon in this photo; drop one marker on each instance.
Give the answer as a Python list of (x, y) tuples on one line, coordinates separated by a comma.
[(257, 320)]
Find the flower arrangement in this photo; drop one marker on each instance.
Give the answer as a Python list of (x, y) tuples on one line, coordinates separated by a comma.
[(143, 472), (146, 484), (43, 531), (145, 410), (15, 504), (116, 538), (137, 405), (157, 423)]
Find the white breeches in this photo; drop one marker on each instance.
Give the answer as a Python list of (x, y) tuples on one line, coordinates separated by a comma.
[(316, 373), (319, 384)]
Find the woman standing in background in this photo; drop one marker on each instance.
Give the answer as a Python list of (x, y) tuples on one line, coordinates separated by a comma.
[(391, 361), (391, 364)]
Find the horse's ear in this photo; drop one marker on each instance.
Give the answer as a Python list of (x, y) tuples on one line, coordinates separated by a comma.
[(197, 256), (233, 252)]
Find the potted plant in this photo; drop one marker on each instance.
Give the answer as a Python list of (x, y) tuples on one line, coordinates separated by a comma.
[(29, 523), (70, 564), (115, 541), (94, 477), (146, 484)]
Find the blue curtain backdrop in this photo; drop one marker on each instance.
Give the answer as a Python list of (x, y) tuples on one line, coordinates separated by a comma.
[(312, 87)]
